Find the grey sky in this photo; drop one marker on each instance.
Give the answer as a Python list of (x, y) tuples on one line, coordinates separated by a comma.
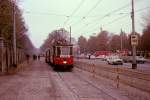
[(44, 16)]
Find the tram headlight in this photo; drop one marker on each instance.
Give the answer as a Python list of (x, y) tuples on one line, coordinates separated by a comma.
[(65, 62)]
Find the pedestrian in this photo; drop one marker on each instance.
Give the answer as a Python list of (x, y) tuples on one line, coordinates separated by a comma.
[(89, 56), (27, 57), (38, 57), (34, 57)]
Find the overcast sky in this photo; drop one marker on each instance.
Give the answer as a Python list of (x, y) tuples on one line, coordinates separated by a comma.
[(84, 16)]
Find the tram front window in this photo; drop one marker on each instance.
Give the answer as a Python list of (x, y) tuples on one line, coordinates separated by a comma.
[(64, 50)]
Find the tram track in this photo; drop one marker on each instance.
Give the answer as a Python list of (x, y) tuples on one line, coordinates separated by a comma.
[(126, 76), (83, 85), (112, 98), (99, 92), (75, 94)]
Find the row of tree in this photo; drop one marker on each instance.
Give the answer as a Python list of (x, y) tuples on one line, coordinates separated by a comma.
[(104, 41), (7, 9), (145, 38), (113, 42)]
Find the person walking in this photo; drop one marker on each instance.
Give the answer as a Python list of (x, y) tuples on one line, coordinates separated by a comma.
[(34, 57), (27, 57), (38, 57)]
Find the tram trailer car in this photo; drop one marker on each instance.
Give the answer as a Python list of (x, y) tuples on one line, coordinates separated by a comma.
[(60, 56)]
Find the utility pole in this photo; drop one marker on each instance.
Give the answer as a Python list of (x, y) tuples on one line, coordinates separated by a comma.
[(14, 35), (70, 34), (61, 35), (56, 35), (134, 64), (121, 46), (101, 29)]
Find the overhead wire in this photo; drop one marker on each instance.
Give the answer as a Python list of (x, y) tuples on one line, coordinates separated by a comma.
[(115, 20), (125, 16), (110, 13), (122, 17), (63, 15), (90, 11), (103, 17), (53, 14), (75, 10), (94, 7), (107, 15), (142, 9), (83, 17), (44, 13)]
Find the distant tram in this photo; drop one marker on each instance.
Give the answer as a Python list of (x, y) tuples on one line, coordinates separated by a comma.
[(60, 56)]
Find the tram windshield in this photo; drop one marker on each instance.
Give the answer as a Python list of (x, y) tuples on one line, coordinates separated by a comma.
[(64, 50)]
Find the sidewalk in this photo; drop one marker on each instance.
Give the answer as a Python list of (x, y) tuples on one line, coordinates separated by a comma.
[(32, 82), (13, 70)]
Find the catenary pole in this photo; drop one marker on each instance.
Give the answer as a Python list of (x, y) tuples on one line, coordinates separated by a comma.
[(70, 34), (121, 44), (134, 64)]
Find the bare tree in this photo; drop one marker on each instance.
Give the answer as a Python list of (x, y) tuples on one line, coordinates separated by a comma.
[(82, 42), (102, 40), (60, 34), (6, 25), (115, 43), (91, 44)]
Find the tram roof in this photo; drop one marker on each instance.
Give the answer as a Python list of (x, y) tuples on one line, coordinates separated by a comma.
[(62, 43)]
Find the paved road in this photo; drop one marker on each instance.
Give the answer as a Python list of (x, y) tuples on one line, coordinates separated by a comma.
[(76, 87), (37, 81), (144, 67)]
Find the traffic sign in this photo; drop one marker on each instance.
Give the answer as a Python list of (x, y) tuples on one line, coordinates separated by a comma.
[(134, 39)]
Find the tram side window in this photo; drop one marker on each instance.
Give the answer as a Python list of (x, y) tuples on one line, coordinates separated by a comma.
[(54, 51), (58, 51), (49, 53)]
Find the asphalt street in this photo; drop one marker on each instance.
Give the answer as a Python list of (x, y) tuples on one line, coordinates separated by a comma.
[(37, 81)]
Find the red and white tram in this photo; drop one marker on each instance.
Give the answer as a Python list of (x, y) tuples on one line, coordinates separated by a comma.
[(60, 56)]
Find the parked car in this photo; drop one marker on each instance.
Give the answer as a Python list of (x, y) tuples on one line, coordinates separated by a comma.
[(139, 59), (92, 57), (82, 56), (101, 57), (114, 60), (126, 58)]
